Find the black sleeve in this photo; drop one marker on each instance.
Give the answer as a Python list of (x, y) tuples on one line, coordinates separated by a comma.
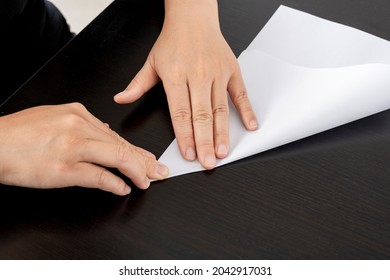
[(32, 31)]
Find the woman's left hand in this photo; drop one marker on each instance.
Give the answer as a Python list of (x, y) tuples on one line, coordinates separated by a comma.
[(197, 69)]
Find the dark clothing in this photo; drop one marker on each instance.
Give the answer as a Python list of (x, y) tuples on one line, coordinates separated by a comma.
[(32, 31)]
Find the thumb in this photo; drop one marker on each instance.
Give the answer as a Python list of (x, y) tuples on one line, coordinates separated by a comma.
[(145, 79)]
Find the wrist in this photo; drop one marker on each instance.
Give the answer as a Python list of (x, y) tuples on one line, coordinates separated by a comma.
[(191, 12), (4, 150)]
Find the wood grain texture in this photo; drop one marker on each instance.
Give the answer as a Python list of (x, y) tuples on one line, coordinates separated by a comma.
[(323, 197)]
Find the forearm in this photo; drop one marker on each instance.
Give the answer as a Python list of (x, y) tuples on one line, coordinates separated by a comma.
[(7, 165), (2, 155)]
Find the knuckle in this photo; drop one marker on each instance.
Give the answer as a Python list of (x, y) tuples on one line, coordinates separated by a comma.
[(123, 152), (241, 97), (203, 117), (73, 121), (77, 106), (176, 75), (202, 73), (101, 177), (61, 168), (220, 109), (181, 116)]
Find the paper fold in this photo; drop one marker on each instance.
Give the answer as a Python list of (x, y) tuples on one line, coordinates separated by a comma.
[(292, 101)]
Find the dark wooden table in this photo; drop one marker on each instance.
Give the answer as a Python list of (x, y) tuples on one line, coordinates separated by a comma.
[(323, 197)]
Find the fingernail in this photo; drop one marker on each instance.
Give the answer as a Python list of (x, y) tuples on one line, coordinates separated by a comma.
[(162, 170), (253, 124), (210, 161), (222, 150), (190, 154), (127, 190)]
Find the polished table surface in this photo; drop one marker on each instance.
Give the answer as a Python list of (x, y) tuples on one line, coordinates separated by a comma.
[(323, 197)]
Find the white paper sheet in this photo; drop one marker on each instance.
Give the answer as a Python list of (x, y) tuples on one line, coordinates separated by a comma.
[(304, 75)]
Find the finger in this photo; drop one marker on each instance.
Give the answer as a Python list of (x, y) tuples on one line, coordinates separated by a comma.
[(101, 131), (145, 79), (202, 121), (181, 115), (121, 156), (221, 119), (145, 152), (155, 170), (239, 96), (92, 176)]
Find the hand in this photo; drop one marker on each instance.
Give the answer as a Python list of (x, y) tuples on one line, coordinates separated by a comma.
[(197, 68), (64, 145)]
